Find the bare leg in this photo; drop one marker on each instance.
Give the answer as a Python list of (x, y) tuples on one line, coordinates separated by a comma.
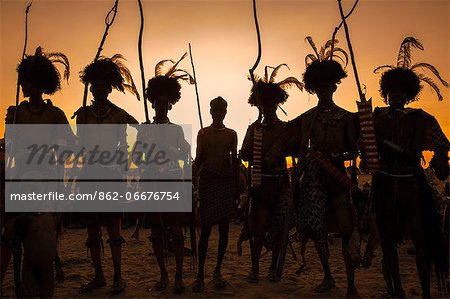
[(30, 282), (93, 243), (242, 237), (349, 269), (202, 250), (176, 236), (139, 220), (304, 238), (328, 283), (345, 219), (423, 259), (115, 243), (224, 227), (260, 222), (46, 284), (158, 251), (387, 278), (6, 248), (199, 284), (424, 269), (59, 277), (273, 277), (255, 248), (372, 243), (390, 258)]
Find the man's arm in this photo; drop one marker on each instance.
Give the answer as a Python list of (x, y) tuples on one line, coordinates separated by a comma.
[(199, 153), (247, 145), (234, 158), (439, 144)]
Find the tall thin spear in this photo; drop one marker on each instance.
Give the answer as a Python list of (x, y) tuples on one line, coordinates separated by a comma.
[(364, 106), (196, 86), (109, 20), (141, 62), (27, 10)]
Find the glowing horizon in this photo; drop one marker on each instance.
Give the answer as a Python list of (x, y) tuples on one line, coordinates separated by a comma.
[(223, 38)]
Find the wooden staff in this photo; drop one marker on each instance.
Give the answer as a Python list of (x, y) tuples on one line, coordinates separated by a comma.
[(109, 20), (141, 61), (17, 247), (196, 87), (250, 173), (339, 27), (27, 10), (287, 225), (255, 171), (258, 59), (362, 96), (364, 108), (365, 119)]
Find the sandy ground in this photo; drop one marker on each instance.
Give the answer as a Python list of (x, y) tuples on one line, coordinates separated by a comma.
[(141, 272)]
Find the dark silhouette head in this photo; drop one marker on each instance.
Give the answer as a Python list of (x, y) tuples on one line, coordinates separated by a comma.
[(267, 94), (218, 109), (163, 88), (39, 75), (270, 96), (323, 76), (107, 74), (399, 86), (401, 83)]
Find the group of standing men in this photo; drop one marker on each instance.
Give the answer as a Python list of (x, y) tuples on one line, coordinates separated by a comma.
[(314, 200)]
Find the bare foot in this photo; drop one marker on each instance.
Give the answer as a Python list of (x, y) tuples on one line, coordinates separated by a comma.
[(352, 293), (59, 275), (325, 286), (161, 285), (179, 286), (273, 277), (239, 248), (199, 285), (253, 277), (96, 283), (118, 286), (219, 282), (366, 261), (135, 235), (303, 267)]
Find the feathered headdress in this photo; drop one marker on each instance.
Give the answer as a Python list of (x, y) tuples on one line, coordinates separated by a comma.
[(270, 91), (166, 79), (322, 65), (40, 70), (405, 75), (327, 52), (112, 71)]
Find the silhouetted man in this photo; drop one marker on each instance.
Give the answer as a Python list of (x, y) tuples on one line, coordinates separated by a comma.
[(217, 163), (163, 91), (103, 75), (402, 195), (326, 134), (270, 186), (38, 75)]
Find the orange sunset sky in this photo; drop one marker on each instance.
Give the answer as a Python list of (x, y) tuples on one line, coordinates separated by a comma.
[(223, 38)]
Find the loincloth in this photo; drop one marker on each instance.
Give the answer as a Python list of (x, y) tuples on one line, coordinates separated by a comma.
[(217, 192)]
